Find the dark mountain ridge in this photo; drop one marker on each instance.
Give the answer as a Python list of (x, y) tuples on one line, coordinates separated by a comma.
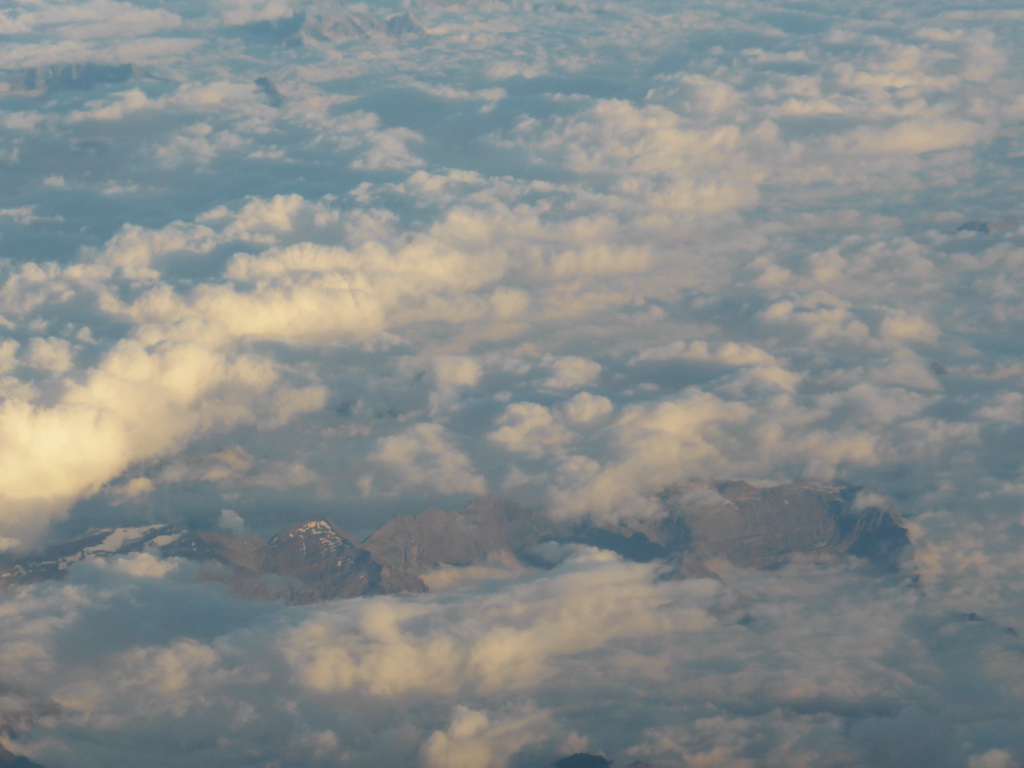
[(73, 76), (316, 560), (10, 760)]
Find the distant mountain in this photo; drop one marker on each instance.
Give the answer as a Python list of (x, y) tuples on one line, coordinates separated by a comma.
[(986, 227), (583, 760), (762, 527), (324, 562), (72, 76), (351, 27), (10, 760), (414, 545), (316, 560), (269, 89), (53, 562), (331, 27)]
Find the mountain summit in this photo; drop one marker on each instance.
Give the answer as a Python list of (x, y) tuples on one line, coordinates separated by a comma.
[(316, 560)]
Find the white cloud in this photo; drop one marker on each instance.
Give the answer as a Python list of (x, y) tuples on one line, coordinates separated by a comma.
[(232, 522), (138, 404), (50, 354), (531, 429), (654, 446), (8, 355), (425, 457), (476, 740), (452, 374), (595, 601), (915, 137), (584, 407), (572, 373), (125, 103), (904, 326), (729, 353), (703, 245), (993, 758)]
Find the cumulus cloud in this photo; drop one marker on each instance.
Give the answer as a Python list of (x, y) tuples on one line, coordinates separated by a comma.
[(137, 404), (531, 429), (656, 445), (476, 740), (595, 601), (505, 675), (918, 136), (466, 252), (425, 457), (451, 374), (572, 373), (585, 407)]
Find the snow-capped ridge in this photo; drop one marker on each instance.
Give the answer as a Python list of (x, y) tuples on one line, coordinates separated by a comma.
[(314, 560)]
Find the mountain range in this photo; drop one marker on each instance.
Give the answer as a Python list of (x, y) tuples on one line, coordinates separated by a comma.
[(10, 760), (316, 560), (72, 76), (327, 25)]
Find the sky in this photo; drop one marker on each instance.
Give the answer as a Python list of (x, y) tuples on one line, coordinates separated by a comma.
[(256, 267)]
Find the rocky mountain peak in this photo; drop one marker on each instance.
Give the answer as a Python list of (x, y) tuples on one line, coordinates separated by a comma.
[(314, 544), (78, 76), (316, 560), (10, 760), (317, 530)]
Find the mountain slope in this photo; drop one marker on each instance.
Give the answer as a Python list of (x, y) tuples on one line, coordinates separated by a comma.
[(316, 560)]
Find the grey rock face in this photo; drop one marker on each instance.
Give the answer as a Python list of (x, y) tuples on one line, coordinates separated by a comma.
[(310, 562), (762, 527), (361, 26), (74, 77), (752, 527), (986, 227), (583, 760), (413, 545), (54, 561), (9, 760), (316, 560), (323, 561), (268, 89), (403, 27), (324, 27)]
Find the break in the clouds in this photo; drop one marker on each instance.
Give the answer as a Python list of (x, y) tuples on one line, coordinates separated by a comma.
[(265, 261)]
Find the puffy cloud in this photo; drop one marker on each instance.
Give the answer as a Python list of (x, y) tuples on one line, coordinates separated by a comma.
[(476, 740), (918, 136), (729, 353), (396, 649), (572, 373), (901, 325), (8, 355), (425, 457), (531, 429), (50, 354), (505, 674), (238, 12), (655, 446), (137, 404), (1009, 407), (736, 233), (125, 103), (993, 758), (451, 374), (232, 522), (584, 407)]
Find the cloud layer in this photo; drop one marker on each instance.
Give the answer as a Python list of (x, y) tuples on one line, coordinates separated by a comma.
[(264, 261)]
